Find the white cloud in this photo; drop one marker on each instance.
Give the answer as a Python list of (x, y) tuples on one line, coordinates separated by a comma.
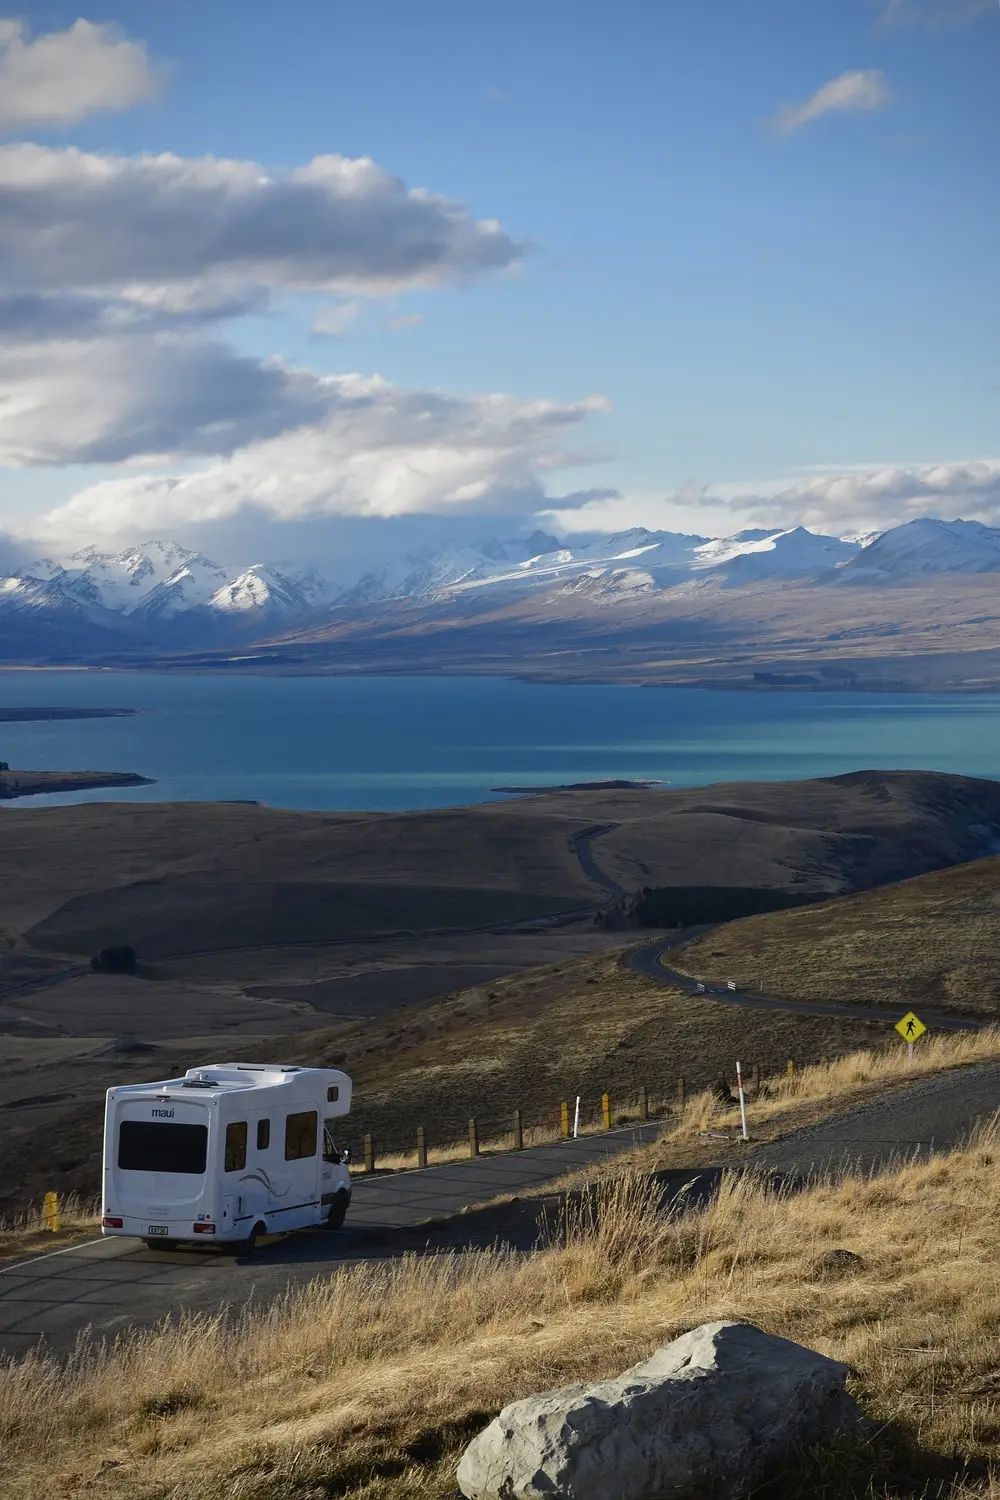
[(377, 450), (110, 399), (71, 219), (64, 76), (851, 93), (857, 501)]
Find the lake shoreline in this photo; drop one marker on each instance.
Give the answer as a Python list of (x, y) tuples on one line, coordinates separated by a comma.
[(14, 784)]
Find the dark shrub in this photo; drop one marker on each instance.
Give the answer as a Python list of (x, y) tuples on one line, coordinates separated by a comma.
[(117, 960)]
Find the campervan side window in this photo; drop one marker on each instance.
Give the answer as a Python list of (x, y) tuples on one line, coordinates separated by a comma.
[(236, 1146), (154, 1146), (263, 1134), (300, 1135)]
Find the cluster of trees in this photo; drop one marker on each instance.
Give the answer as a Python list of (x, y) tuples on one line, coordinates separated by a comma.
[(702, 905)]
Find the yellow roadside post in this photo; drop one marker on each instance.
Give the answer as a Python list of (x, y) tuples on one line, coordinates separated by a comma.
[(50, 1212), (606, 1110), (564, 1119)]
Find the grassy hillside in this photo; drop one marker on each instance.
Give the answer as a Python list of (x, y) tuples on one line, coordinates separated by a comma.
[(531, 1040), (527, 1041), (368, 1384), (934, 941)]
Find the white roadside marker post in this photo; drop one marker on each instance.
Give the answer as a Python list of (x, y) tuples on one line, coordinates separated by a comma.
[(743, 1101), (576, 1118)]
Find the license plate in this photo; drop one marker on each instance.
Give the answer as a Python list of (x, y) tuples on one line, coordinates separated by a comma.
[(156, 1229)]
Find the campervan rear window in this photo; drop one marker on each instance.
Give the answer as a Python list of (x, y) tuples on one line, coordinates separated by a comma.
[(155, 1146)]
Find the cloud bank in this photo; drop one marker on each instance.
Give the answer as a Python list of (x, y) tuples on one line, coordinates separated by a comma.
[(375, 449), (879, 498), (72, 219)]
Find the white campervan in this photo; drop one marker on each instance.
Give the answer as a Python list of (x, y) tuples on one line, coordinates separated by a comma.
[(225, 1154)]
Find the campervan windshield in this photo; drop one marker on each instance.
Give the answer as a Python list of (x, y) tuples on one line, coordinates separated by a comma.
[(162, 1146)]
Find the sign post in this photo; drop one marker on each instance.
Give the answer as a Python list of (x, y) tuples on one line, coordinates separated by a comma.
[(743, 1101), (911, 1029), (50, 1212)]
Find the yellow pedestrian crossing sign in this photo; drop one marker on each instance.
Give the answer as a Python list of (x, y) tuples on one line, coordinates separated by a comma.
[(910, 1027)]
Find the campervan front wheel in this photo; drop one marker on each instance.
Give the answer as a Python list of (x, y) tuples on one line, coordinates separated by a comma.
[(338, 1210)]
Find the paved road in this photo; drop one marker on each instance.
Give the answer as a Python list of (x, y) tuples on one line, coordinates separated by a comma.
[(650, 961), (110, 1285)]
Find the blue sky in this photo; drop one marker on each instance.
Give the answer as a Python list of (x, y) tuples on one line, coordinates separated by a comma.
[(763, 309)]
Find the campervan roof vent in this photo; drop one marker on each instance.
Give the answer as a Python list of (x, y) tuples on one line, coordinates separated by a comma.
[(201, 1082)]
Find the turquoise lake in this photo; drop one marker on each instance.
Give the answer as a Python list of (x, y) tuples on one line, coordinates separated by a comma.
[(409, 742)]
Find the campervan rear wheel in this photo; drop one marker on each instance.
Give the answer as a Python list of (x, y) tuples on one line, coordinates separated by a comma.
[(249, 1245), (338, 1210)]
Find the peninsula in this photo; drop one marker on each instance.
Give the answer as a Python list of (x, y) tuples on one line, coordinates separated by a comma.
[(26, 715), (31, 783)]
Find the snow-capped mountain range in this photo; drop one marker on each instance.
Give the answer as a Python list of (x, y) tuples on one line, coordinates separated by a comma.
[(160, 593)]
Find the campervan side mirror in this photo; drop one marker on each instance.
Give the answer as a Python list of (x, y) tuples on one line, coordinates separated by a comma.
[(345, 1155)]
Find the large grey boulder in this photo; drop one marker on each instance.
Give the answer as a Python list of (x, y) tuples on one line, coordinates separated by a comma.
[(712, 1413)]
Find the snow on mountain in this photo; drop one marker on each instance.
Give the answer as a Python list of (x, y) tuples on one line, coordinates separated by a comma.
[(757, 557), (34, 599), (611, 583), (191, 587), (663, 554), (262, 591), (926, 546), (42, 567), (433, 570), (121, 581)]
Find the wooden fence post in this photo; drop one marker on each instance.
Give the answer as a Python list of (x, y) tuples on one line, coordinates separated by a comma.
[(681, 1095), (473, 1137), (518, 1131), (790, 1067), (606, 1110), (643, 1102), (564, 1119), (755, 1081), (369, 1153), (421, 1146)]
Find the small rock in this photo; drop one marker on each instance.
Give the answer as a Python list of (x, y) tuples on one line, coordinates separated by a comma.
[(837, 1263), (712, 1413)]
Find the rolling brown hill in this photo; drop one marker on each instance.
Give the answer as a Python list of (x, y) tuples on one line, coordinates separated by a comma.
[(931, 941), (187, 877)]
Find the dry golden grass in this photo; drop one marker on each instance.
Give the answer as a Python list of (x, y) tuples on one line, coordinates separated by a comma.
[(842, 1081), (929, 941), (369, 1383), (28, 1233)]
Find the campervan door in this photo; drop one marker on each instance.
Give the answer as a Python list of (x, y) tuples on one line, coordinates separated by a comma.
[(274, 1159)]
